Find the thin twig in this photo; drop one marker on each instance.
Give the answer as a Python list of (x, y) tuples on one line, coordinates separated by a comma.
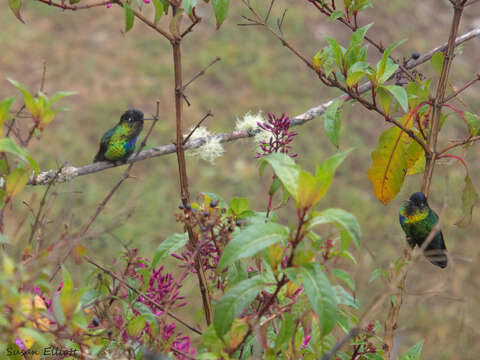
[(463, 88), (209, 113), (202, 72)]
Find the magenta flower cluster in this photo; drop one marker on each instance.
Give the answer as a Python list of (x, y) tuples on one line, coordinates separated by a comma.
[(164, 290), (281, 136)]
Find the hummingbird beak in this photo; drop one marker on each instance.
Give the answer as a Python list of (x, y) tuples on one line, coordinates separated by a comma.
[(152, 118)]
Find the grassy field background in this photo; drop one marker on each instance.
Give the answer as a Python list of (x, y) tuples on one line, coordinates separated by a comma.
[(87, 52)]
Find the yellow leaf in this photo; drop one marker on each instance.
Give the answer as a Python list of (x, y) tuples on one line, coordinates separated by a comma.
[(16, 181), (389, 162), (415, 159)]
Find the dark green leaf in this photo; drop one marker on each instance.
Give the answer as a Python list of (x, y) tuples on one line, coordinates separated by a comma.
[(321, 295), (286, 330), (344, 219), (250, 241), (234, 302), (331, 122), (357, 37), (343, 276)]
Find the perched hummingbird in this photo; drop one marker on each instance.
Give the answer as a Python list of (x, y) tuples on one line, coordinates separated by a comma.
[(417, 221), (118, 143)]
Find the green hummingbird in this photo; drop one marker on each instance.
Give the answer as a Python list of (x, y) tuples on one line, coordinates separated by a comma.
[(417, 220), (118, 143)]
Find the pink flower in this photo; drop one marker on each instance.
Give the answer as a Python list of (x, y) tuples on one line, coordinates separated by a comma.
[(146, 1), (109, 5)]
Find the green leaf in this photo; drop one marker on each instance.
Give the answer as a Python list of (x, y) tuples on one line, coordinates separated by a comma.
[(59, 95), (343, 276), (340, 218), (165, 4), (321, 295), (239, 205), (129, 16), (414, 352), (67, 280), (15, 6), (9, 146), (159, 10), (384, 99), (16, 181), (382, 64), (437, 62), (286, 170), (30, 102), (251, 240), (356, 72), (234, 302), (286, 330), (220, 8), (58, 310), (400, 94), (135, 326), (188, 5), (389, 163), (358, 35), (473, 122), (326, 170), (336, 14), (4, 108), (337, 52), (168, 246), (331, 122), (469, 199), (389, 71)]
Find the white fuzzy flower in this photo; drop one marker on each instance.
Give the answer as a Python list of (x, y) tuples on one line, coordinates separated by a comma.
[(211, 150)]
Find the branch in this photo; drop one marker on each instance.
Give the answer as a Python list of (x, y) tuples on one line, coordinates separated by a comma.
[(70, 172), (439, 100)]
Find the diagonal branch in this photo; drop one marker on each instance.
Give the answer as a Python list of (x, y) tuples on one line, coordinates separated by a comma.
[(70, 172)]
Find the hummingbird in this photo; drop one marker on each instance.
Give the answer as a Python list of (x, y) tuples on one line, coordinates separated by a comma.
[(417, 220), (118, 143)]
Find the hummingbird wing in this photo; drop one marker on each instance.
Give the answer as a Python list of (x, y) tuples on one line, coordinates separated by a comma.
[(436, 251), (104, 145)]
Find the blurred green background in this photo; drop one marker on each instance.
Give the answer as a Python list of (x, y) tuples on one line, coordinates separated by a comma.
[(87, 52)]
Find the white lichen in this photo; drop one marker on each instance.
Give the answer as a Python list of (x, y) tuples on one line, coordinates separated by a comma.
[(211, 150), (249, 121)]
